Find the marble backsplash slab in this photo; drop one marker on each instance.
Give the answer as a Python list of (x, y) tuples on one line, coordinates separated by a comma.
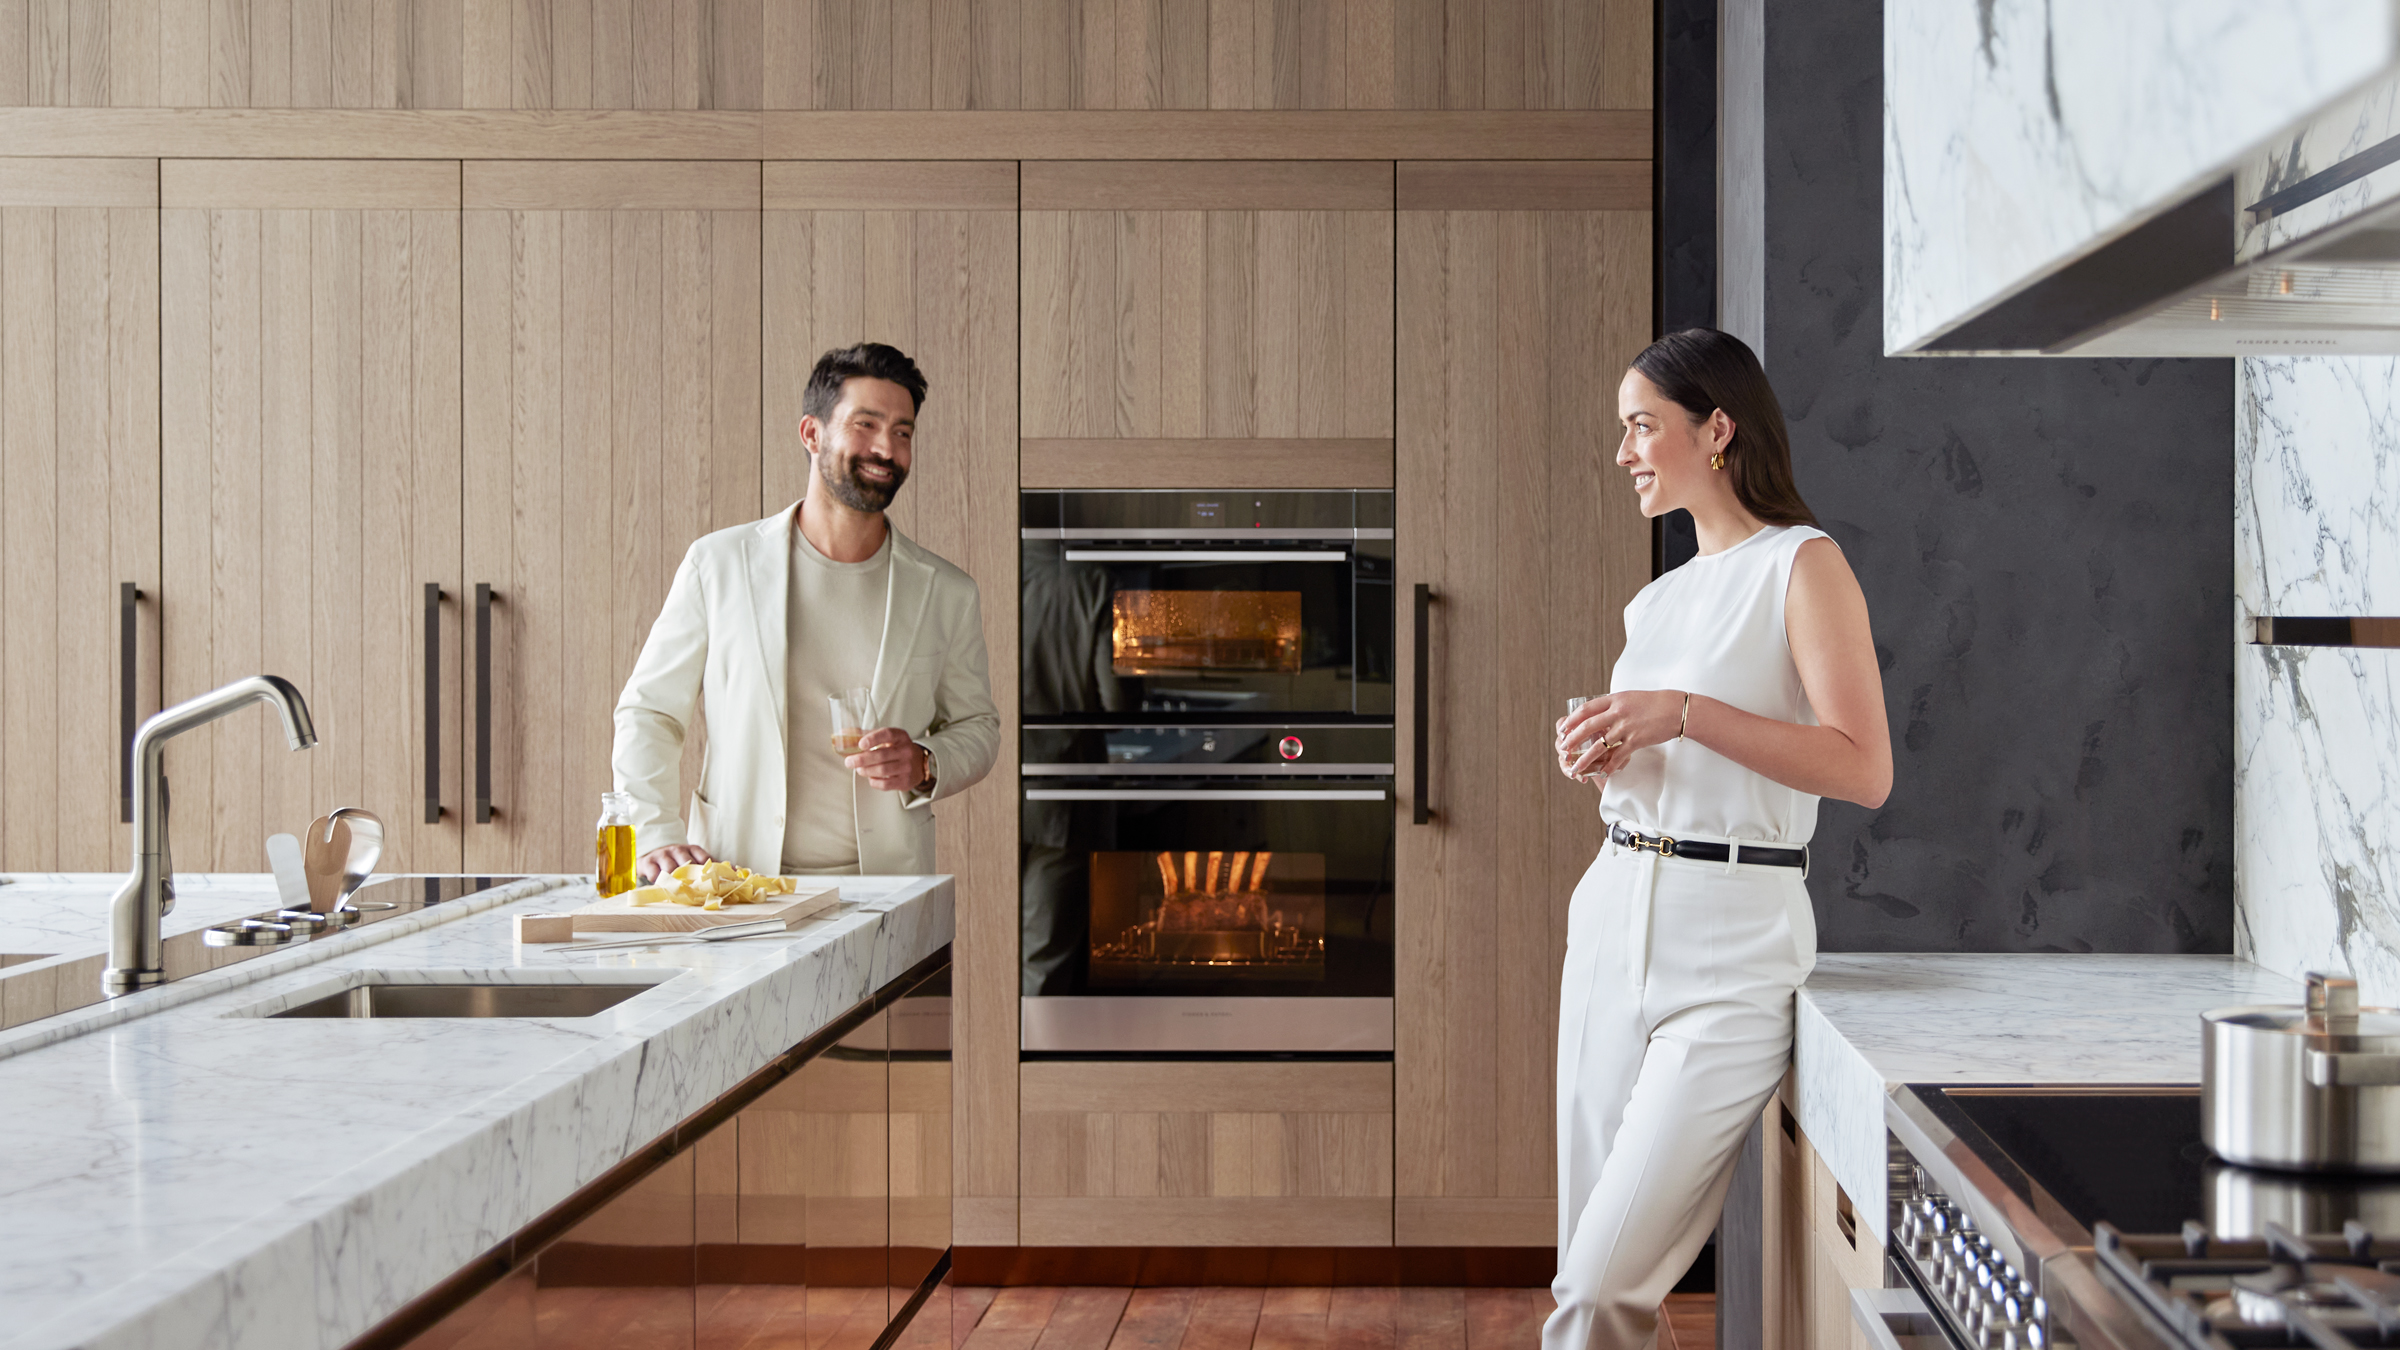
[(2016, 136), (2317, 730)]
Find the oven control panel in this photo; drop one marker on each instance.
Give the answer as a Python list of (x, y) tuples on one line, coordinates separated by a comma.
[(1986, 1301)]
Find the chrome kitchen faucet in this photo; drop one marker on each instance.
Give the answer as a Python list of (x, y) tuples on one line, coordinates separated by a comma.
[(136, 955)]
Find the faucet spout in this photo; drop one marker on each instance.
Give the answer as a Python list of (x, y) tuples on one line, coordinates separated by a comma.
[(136, 953)]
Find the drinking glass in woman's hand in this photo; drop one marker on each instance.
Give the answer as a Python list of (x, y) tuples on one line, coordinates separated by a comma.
[(1567, 753)]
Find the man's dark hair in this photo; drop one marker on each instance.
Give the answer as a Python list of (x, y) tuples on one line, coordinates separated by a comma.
[(870, 359)]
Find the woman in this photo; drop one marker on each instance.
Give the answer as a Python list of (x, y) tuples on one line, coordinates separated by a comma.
[(1748, 689)]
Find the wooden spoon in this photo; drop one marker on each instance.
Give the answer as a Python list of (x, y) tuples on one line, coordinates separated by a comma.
[(328, 851)]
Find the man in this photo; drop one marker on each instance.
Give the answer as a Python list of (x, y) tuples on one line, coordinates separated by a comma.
[(764, 621)]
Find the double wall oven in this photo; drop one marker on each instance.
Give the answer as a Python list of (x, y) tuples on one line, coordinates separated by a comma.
[(1207, 772)]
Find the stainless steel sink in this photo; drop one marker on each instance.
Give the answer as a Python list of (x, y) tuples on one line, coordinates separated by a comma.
[(468, 1000)]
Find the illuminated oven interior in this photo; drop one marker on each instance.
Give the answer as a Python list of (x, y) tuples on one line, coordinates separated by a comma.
[(1160, 632), (1208, 915)]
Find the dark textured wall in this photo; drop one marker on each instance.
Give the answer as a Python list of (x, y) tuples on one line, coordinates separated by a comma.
[(2047, 550)]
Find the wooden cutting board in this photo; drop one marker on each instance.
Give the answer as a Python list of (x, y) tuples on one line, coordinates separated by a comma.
[(621, 915)]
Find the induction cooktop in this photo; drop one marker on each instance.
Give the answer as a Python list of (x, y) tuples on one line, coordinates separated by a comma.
[(2132, 1157)]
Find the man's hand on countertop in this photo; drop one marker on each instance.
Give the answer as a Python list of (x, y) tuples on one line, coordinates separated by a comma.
[(670, 857)]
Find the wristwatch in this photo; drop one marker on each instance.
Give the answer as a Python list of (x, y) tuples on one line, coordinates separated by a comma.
[(926, 784)]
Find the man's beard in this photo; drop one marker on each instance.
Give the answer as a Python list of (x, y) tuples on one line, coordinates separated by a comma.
[(842, 479)]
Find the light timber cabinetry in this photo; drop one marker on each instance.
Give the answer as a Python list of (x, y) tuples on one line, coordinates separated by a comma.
[(923, 256), (79, 503), (1519, 307), (1207, 1154), (1815, 1247), (611, 418), (311, 491)]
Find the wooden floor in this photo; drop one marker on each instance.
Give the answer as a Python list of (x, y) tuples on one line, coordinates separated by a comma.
[(516, 1316), (1265, 1319)]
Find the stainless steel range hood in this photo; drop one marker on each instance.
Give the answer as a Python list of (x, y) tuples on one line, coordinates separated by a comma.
[(2296, 250)]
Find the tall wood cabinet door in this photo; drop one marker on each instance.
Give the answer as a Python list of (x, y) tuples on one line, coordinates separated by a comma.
[(923, 256), (1514, 327), (611, 419), (1208, 325), (78, 501), (310, 344)]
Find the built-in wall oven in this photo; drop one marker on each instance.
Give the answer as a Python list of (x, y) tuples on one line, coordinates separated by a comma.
[(1207, 772)]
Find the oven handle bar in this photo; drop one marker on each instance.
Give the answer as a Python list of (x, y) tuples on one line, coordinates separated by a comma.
[(1224, 555), (1259, 532), (1207, 795), (1203, 770)]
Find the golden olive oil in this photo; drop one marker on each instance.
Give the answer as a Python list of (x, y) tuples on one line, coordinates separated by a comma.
[(616, 859), (614, 876)]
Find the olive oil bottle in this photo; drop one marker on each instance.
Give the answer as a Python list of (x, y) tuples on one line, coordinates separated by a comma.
[(615, 875)]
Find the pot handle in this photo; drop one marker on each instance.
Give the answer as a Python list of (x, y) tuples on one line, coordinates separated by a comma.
[(2352, 1070), (2331, 995)]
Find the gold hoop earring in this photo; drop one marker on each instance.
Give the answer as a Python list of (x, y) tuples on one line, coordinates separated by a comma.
[(1717, 460)]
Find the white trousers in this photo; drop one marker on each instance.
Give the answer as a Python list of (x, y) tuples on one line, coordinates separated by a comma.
[(1674, 1025)]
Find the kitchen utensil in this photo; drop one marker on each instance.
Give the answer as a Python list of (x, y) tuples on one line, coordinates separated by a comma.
[(291, 873), (618, 914), (366, 848), (2309, 1088), (328, 848), (721, 933)]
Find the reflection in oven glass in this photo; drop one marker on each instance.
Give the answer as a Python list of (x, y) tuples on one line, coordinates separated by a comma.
[(1207, 915), (1159, 632)]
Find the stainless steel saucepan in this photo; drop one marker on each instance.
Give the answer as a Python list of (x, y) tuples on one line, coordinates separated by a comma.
[(2308, 1088)]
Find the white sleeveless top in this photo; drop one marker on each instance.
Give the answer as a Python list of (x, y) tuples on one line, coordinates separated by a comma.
[(1714, 627)]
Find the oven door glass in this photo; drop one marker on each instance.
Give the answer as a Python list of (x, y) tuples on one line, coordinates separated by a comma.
[(1229, 629), (1163, 886)]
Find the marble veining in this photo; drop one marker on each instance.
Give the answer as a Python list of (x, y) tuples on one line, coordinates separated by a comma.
[(2017, 137), (1871, 1022), (2350, 125), (140, 1214), (125, 1007), (64, 915), (2317, 730)]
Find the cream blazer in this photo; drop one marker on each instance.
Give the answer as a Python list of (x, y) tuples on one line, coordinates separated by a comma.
[(720, 641)]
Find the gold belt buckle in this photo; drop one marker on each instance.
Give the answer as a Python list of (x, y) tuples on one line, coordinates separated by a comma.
[(1663, 846)]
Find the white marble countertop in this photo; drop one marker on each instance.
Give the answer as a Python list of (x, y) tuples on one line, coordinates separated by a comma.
[(1870, 1022), (184, 1173), (64, 913)]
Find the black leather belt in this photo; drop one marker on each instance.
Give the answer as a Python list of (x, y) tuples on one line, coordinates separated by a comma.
[(1696, 851)]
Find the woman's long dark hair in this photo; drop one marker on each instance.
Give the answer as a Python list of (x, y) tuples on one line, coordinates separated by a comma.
[(1703, 370)]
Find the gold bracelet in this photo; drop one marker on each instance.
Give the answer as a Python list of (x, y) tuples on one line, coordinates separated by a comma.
[(1687, 716)]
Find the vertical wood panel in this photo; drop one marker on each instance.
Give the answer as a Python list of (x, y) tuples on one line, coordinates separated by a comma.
[(828, 54), (315, 358), (611, 418), (1541, 306), (29, 503), (942, 286)]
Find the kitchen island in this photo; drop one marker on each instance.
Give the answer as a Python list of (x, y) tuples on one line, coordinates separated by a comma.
[(1870, 1022), (188, 1170)]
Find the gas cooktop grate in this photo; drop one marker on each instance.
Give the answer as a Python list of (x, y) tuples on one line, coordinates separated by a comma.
[(2331, 1291)]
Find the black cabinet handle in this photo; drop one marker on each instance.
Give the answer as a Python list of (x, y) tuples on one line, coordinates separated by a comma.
[(128, 663), (483, 704), (433, 704), (1424, 605)]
